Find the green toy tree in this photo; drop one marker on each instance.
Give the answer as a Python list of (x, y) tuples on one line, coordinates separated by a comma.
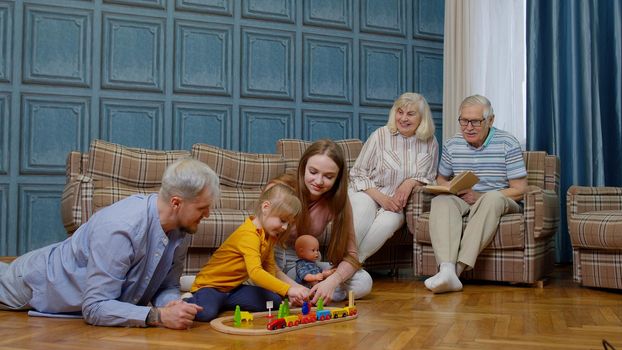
[(320, 304), (286, 307), (280, 313), (237, 317)]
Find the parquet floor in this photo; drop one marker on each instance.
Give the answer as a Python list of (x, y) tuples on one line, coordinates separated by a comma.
[(400, 314)]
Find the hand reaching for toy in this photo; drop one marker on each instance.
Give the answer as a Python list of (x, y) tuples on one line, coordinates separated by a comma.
[(324, 290), (297, 294)]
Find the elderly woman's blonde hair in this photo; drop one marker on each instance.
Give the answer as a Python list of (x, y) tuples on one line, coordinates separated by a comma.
[(426, 127)]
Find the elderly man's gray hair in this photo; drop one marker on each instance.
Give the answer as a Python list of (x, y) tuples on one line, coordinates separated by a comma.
[(187, 177), (478, 100)]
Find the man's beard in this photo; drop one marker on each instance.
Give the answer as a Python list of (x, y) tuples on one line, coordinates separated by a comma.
[(189, 230)]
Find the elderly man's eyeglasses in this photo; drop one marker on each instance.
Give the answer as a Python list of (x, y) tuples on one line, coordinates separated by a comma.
[(474, 122)]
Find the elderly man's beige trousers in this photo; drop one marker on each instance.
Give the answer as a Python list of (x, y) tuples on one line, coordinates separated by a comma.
[(449, 242)]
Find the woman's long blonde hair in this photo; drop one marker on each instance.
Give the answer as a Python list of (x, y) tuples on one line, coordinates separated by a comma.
[(336, 198)]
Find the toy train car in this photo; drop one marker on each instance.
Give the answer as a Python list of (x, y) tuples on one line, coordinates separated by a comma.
[(319, 315)]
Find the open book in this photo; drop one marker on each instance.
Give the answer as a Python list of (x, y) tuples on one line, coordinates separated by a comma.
[(461, 182)]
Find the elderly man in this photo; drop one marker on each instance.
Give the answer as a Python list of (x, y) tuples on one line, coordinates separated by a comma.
[(495, 157), (127, 256)]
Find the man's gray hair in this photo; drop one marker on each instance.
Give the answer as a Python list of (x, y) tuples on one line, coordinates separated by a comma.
[(187, 177), (478, 100)]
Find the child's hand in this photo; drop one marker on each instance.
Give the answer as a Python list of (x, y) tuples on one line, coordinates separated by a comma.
[(297, 294)]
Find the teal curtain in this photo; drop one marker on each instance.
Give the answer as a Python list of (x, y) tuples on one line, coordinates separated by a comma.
[(574, 93)]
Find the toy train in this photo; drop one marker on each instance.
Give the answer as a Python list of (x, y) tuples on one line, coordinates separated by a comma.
[(312, 316)]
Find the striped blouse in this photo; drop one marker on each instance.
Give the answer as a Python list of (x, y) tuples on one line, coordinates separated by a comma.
[(388, 159)]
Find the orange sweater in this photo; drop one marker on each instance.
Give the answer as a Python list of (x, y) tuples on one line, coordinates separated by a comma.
[(247, 253)]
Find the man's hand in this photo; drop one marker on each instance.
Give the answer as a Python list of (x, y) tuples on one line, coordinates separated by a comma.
[(178, 314)]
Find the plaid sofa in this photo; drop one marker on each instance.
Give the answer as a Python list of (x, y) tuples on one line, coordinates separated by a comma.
[(522, 250), (595, 227), (109, 172)]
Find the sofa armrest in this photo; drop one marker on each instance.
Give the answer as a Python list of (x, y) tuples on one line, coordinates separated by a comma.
[(76, 164), (541, 212), (581, 199), (76, 202), (418, 203)]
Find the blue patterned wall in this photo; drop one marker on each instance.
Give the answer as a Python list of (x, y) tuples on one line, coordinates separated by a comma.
[(165, 74)]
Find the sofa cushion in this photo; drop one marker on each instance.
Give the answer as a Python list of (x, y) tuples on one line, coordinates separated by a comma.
[(597, 229), (237, 198), (221, 223), (239, 169), (108, 192), (133, 167), (292, 150)]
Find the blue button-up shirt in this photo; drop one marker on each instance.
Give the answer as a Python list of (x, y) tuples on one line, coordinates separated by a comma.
[(112, 267)]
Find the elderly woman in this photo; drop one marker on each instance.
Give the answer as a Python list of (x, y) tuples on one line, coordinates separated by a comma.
[(395, 159)]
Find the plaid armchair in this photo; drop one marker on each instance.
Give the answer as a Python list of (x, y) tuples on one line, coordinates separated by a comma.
[(522, 250), (595, 227)]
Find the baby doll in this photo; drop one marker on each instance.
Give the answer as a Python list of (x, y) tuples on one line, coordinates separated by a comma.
[(308, 273)]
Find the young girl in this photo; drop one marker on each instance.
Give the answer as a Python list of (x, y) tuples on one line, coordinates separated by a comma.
[(248, 254), (321, 184)]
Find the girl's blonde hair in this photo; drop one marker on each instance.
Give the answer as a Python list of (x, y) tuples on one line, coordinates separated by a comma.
[(283, 202), (426, 127)]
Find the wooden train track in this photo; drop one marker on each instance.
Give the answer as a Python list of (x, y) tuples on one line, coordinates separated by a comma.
[(260, 321)]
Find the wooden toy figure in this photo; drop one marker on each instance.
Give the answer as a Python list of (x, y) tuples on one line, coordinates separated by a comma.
[(305, 308)]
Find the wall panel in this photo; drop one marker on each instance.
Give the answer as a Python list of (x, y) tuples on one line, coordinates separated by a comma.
[(219, 7), (39, 221), (386, 17), (52, 126), (132, 123), (325, 124), (133, 52), (201, 123), (203, 58), (272, 10), (383, 73), (328, 72), (5, 116), (328, 13), (262, 127), (428, 65), (267, 64), (4, 220), (6, 44), (57, 46)]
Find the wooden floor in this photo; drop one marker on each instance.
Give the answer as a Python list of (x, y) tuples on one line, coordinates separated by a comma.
[(399, 314)]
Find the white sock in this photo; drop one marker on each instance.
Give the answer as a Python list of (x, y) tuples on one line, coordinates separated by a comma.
[(446, 280)]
